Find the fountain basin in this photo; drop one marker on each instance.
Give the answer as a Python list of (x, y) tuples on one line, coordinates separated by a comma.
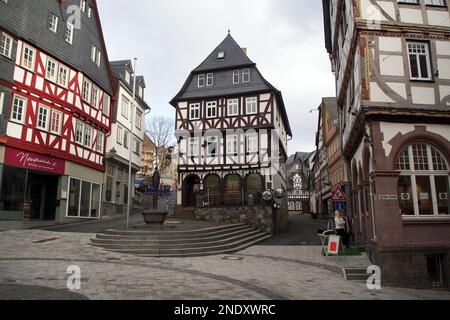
[(155, 217)]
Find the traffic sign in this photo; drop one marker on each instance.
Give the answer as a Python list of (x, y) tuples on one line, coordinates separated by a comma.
[(339, 195)]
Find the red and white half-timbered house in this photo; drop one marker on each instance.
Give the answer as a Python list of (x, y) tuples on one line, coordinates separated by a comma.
[(56, 95)]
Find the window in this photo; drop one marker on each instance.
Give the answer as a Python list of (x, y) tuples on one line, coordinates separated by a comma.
[(84, 199), (211, 146), (210, 79), (53, 23), (251, 105), (95, 96), (125, 139), (138, 119), (193, 148), (95, 55), (6, 43), (246, 75), (89, 13), (28, 58), (201, 80), (125, 107), (137, 147), (83, 5), (50, 71), (141, 92), (440, 3), (221, 55), (87, 85), (423, 185), (56, 122), (69, 32), (127, 76), (119, 135), (211, 109), (344, 22), (63, 76), (194, 111), (419, 61), (88, 136), (79, 132), (236, 76), (18, 109), (252, 143), (2, 101), (99, 146), (106, 104), (233, 107), (232, 144)]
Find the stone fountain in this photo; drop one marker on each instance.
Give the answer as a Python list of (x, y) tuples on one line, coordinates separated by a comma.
[(155, 217)]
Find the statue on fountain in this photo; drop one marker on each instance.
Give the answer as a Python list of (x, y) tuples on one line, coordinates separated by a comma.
[(154, 216)]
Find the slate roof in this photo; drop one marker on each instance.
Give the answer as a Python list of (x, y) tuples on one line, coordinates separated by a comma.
[(234, 57), (118, 69), (28, 21)]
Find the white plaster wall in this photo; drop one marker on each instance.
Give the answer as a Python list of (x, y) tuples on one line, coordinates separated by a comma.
[(438, 18), (390, 44), (444, 68), (391, 65), (411, 16), (443, 47), (377, 95), (421, 95)]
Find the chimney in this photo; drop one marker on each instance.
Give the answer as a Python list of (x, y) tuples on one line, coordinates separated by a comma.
[(245, 50)]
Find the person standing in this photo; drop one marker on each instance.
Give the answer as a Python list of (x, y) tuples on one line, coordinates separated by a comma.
[(341, 227)]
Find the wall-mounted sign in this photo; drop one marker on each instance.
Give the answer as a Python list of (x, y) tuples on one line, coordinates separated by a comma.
[(33, 161), (424, 196), (387, 197)]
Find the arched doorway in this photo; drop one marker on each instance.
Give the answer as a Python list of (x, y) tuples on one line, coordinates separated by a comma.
[(233, 190), (254, 187), (191, 188), (212, 189)]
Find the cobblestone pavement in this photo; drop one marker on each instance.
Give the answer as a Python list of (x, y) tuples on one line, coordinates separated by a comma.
[(41, 258)]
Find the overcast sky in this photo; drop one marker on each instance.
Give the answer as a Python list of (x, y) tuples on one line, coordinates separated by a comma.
[(172, 37)]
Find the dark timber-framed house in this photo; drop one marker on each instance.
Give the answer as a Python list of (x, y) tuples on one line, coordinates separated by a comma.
[(232, 132)]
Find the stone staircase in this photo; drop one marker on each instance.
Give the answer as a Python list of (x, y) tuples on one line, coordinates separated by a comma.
[(181, 243), (355, 274)]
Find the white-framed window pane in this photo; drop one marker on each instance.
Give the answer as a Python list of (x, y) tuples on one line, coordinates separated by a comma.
[(201, 80), (210, 79), (100, 142), (28, 58), (233, 107), (232, 144), (194, 111), (251, 105), (236, 76), (43, 115), (119, 135), (106, 104), (419, 60), (6, 43), (79, 132), (211, 109), (50, 71), (88, 136), (125, 139), (87, 86), (63, 76), (125, 106), (138, 119), (56, 122), (53, 23), (18, 109), (252, 143), (211, 146), (193, 147), (246, 75)]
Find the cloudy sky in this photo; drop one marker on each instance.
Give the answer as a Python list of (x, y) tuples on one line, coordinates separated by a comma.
[(172, 37)]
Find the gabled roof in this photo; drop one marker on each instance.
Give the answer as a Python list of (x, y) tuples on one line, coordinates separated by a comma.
[(234, 56)]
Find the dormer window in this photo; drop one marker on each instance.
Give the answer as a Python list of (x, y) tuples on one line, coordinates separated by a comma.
[(141, 92), (201, 80), (246, 75), (127, 76), (210, 79), (236, 76), (221, 55)]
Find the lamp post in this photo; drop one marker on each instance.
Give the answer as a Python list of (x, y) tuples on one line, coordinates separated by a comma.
[(130, 145)]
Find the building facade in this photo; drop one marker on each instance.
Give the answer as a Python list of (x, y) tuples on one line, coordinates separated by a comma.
[(127, 132), (392, 62), (232, 131), (148, 157), (55, 102), (298, 171)]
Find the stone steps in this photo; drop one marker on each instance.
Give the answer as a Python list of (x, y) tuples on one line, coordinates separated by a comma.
[(181, 243), (355, 274)]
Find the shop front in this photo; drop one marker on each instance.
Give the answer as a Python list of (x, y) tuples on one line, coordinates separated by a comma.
[(36, 187)]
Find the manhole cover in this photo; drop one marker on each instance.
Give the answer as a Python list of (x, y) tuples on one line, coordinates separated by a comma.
[(232, 258)]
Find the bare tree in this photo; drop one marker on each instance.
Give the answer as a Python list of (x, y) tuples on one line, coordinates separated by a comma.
[(161, 131)]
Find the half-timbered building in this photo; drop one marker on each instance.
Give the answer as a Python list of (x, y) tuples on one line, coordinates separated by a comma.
[(55, 101), (298, 182), (391, 60), (232, 131)]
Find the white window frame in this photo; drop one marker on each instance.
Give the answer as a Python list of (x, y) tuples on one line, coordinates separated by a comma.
[(138, 122), (426, 46), (99, 146), (90, 200), (45, 125), (246, 75), (83, 5), (68, 36), (7, 43), (88, 133), (194, 147), (119, 138), (79, 124), (89, 13), (60, 121), (210, 79), (212, 140), (53, 23), (26, 63), (2, 101), (95, 96), (52, 77), (211, 106), (125, 107), (252, 143), (136, 147), (106, 104), (233, 103), (236, 76), (194, 107), (23, 109), (126, 139), (63, 82), (201, 80), (232, 144), (87, 93), (249, 102)]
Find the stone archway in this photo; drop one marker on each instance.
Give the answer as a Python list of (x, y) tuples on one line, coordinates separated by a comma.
[(233, 190), (254, 187), (212, 185)]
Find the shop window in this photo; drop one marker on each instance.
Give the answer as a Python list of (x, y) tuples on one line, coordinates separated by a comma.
[(423, 185), (109, 183), (12, 193), (84, 199), (435, 270)]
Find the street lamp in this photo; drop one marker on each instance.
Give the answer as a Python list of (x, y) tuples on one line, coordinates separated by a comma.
[(130, 146)]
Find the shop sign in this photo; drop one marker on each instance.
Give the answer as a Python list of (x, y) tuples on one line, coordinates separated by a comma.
[(333, 244), (33, 161)]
